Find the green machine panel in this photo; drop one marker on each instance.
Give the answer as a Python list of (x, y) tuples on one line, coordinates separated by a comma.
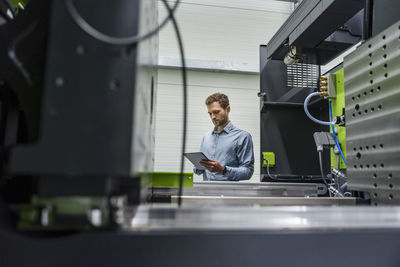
[(338, 105), (171, 179)]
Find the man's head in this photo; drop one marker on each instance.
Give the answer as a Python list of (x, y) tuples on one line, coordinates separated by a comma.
[(218, 109)]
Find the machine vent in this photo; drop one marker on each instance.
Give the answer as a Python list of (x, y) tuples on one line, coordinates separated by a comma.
[(303, 75)]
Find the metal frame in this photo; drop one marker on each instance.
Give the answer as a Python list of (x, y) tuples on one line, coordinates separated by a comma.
[(94, 134), (221, 236), (311, 24), (250, 193), (372, 117), (285, 128)]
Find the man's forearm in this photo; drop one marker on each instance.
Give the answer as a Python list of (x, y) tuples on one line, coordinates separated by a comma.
[(239, 173)]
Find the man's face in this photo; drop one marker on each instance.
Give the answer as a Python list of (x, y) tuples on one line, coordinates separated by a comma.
[(219, 116)]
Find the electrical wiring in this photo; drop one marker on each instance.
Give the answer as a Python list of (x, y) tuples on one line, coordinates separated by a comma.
[(9, 9), (96, 34), (184, 80), (4, 17), (335, 137), (337, 180), (331, 124), (321, 169), (6, 10), (3, 14), (122, 41), (268, 169), (287, 179)]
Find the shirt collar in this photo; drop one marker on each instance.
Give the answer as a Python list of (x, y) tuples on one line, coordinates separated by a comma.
[(228, 128)]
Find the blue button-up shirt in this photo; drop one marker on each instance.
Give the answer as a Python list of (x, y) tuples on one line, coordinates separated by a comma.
[(232, 148)]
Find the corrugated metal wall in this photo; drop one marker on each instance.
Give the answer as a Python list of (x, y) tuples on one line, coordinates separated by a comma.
[(219, 36)]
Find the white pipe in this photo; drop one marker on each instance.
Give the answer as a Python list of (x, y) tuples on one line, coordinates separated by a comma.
[(308, 113)]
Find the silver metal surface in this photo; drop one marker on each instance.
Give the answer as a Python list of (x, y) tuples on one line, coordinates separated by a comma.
[(95, 217), (263, 218), (372, 86), (246, 189), (332, 85), (265, 201)]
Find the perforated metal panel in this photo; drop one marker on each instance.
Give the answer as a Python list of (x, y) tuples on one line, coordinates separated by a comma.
[(372, 85), (303, 75)]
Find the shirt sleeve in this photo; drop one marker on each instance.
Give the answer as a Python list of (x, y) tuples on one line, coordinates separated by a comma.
[(245, 156), (195, 170)]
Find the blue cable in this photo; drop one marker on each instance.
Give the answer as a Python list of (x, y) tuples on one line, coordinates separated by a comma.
[(343, 187), (334, 135)]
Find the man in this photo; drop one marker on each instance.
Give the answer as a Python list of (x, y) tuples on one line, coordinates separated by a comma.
[(228, 148)]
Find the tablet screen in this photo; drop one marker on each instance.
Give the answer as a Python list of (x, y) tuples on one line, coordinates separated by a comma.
[(195, 158)]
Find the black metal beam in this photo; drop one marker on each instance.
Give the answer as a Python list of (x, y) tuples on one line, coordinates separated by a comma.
[(310, 24), (205, 248)]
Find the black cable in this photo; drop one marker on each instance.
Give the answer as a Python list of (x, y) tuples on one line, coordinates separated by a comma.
[(4, 16), (276, 178), (368, 19), (184, 78), (4, 6), (88, 29), (320, 167), (10, 7)]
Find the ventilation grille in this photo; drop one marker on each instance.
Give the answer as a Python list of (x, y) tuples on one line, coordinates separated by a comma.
[(303, 75)]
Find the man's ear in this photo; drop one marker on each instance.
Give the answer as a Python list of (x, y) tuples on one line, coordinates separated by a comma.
[(228, 108)]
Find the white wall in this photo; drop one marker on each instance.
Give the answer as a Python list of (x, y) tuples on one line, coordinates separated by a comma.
[(223, 30), (242, 91), (226, 32)]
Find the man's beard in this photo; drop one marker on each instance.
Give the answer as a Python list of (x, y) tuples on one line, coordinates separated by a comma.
[(221, 122)]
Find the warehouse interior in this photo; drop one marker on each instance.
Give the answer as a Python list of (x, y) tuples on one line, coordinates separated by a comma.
[(102, 101)]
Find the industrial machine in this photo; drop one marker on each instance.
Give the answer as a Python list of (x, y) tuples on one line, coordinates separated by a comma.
[(290, 71), (77, 113), (77, 142), (341, 110)]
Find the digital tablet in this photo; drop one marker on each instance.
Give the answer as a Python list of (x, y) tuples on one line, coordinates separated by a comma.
[(195, 158)]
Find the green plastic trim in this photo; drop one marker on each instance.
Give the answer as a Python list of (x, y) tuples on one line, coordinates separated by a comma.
[(15, 3), (271, 158), (171, 179), (338, 104)]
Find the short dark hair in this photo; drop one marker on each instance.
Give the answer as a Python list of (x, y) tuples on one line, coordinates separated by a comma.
[(222, 99)]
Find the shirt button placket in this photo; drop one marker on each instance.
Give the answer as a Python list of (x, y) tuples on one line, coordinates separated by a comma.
[(215, 146)]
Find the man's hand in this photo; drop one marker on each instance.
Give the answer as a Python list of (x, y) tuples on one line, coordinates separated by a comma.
[(212, 165)]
